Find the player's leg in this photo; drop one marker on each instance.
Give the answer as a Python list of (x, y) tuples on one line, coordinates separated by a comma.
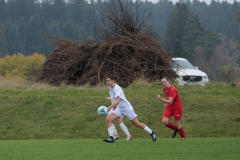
[(180, 130), (124, 128), (177, 119), (132, 116), (136, 122), (165, 120), (109, 121), (115, 135)]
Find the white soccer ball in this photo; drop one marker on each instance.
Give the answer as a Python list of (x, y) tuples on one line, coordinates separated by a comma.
[(102, 111)]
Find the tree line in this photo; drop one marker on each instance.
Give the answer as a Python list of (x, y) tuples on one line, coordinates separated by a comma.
[(190, 29), (23, 21)]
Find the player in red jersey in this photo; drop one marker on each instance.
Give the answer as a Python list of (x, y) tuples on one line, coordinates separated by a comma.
[(173, 107)]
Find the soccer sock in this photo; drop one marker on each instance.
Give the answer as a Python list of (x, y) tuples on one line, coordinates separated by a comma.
[(181, 132), (110, 131), (114, 130), (170, 125), (147, 130), (124, 129)]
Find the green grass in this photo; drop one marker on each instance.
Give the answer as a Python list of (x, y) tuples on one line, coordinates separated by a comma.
[(40, 111), (145, 149)]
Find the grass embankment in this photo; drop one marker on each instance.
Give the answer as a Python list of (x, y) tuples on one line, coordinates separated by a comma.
[(40, 111)]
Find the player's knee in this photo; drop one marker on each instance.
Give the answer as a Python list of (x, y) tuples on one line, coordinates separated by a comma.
[(109, 120), (165, 121), (135, 124), (119, 121), (178, 125)]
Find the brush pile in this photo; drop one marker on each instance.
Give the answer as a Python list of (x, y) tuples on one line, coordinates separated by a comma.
[(124, 52)]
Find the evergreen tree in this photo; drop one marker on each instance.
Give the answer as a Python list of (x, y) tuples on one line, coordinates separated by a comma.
[(59, 10), (20, 8), (193, 32), (209, 41), (14, 44), (2, 10), (178, 50), (69, 30), (3, 43), (180, 29), (37, 41), (200, 9), (45, 10), (186, 32), (3, 46), (160, 15), (54, 29), (176, 27), (78, 12), (1, 29), (25, 8), (22, 31)]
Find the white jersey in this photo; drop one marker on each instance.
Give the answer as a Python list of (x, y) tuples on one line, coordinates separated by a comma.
[(118, 92)]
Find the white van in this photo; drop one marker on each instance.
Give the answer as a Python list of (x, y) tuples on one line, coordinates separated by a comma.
[(188, 74)]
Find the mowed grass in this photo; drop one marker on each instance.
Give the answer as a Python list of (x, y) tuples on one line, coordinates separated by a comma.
[(144, 149)]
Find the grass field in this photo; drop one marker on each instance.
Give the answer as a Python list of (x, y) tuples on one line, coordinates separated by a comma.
[(145, 149), (40, 121)]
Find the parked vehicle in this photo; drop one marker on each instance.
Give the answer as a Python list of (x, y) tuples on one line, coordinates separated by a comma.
[(189, 74)]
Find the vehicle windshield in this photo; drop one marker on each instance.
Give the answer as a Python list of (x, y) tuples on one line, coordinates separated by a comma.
[(183, 64)]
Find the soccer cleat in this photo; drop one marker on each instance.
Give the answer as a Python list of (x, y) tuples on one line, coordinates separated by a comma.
[(116, 137), (129, 138), (183, 139), (110, 139), (154, 136), (174, 133)]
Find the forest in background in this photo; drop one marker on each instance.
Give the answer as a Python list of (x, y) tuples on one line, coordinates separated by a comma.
[(207, 35)]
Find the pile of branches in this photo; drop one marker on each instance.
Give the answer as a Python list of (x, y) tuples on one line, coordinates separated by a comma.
[(124, 52)]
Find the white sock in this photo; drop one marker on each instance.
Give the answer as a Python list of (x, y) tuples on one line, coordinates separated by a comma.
[(124, 129), (147, 130), (110, 131), (114, 130)]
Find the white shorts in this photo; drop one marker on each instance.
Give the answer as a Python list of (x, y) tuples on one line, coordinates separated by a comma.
[(127, 111), (111, 111)]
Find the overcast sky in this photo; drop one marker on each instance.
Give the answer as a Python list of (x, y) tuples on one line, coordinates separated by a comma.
[(207, 1)]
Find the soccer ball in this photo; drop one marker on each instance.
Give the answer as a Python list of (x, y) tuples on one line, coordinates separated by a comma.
[(102, 111)]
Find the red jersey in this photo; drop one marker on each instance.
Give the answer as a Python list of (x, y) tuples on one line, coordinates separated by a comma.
[(172, 92)]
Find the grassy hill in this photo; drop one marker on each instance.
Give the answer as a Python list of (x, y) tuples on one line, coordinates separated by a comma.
[(40, 111)]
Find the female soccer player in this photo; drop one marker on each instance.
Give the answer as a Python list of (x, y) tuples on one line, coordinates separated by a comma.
[(173, 107), (122, 106)]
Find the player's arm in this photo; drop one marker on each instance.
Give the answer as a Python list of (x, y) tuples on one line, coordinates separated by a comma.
[(168, 100), (109, 98), (114, 105)]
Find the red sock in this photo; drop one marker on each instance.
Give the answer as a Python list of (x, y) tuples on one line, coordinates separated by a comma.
[(181, 132), (170, 125)]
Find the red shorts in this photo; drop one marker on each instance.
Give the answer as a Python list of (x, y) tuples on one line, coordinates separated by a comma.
[(176, 112)]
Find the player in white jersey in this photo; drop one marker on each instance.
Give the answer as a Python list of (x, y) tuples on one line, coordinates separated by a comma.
[(121, 106)]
